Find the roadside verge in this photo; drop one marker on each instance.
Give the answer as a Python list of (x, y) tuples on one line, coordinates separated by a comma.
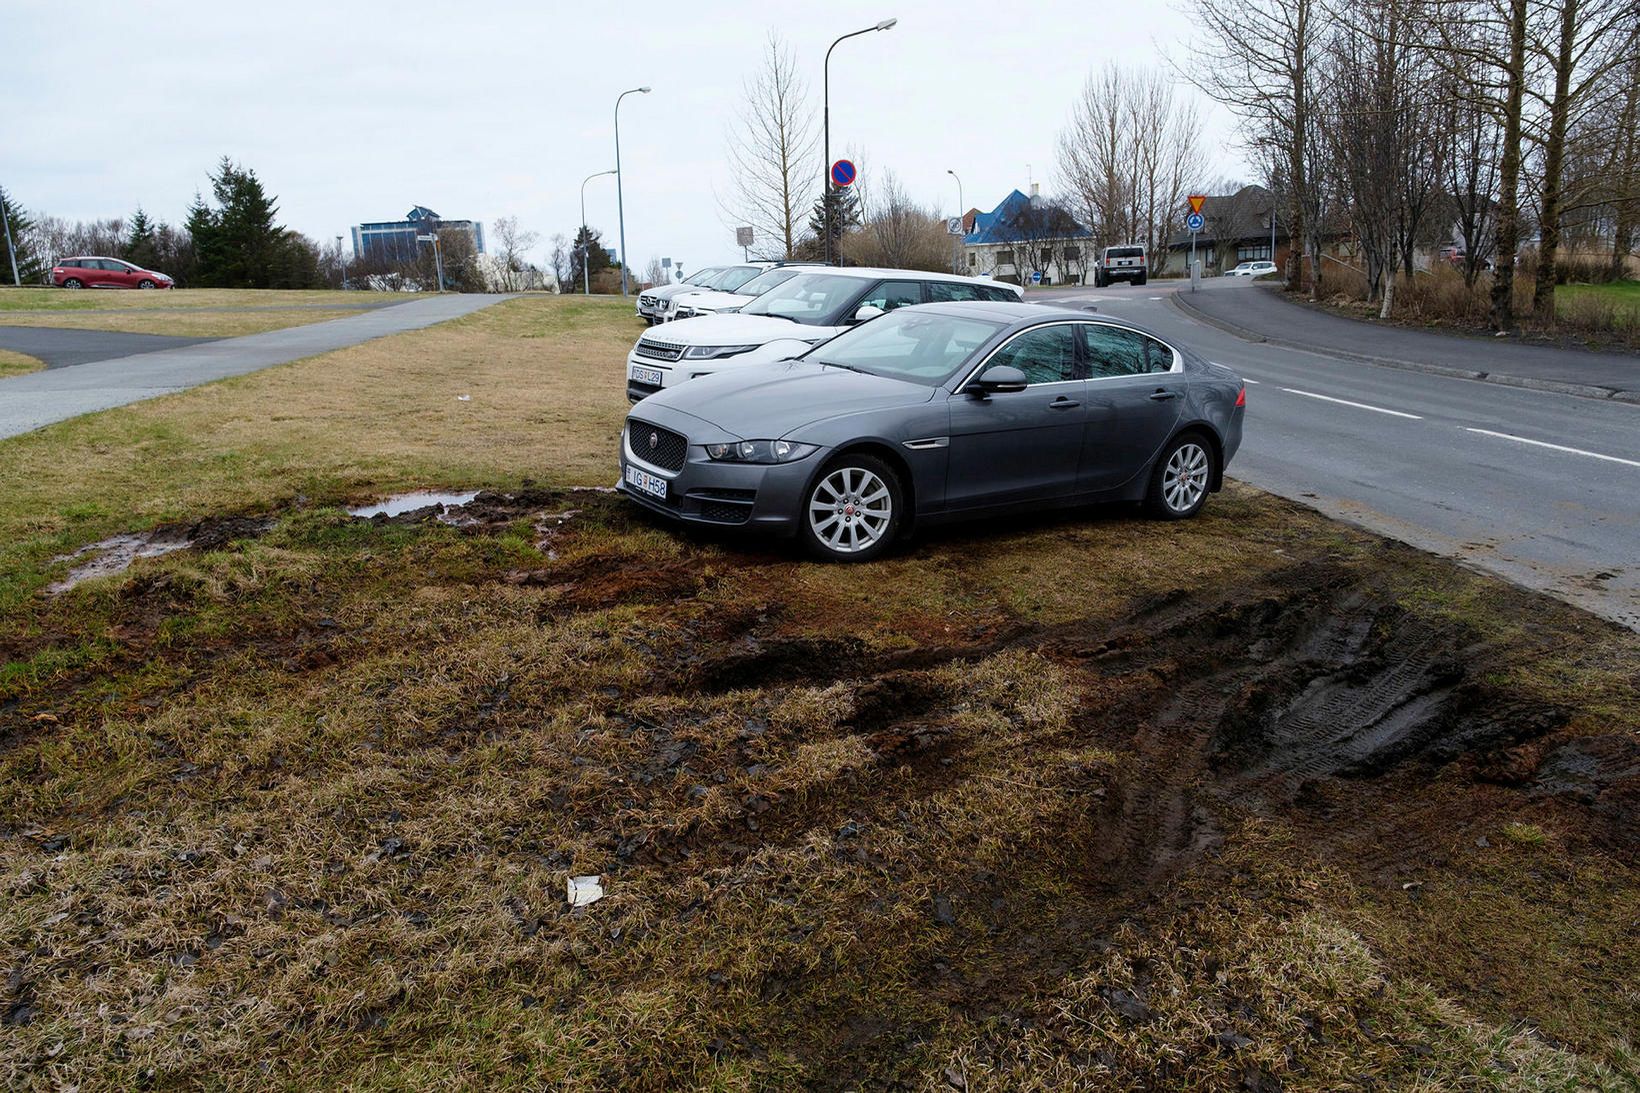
[(1202, 310)]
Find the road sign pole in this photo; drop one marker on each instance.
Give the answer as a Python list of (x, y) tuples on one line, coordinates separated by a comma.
[(10, 249), (1195, 269)]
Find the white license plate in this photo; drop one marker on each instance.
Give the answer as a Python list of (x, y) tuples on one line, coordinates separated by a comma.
[(647, 375), (648, 483)]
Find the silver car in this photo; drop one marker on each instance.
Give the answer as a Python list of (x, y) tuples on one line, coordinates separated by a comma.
[(933, 413)]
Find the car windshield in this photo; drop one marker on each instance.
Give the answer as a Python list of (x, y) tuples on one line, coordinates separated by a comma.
[(762, 283), (908, 344), (816, 299), (700, 277), (733, 277)]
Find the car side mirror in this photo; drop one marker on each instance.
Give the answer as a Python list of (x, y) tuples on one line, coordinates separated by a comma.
[(998, 379), (867, 312)]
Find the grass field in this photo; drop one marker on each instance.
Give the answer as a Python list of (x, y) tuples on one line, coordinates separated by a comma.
[(1257, 801), (16, 364), (1624, 295), (195, 313)]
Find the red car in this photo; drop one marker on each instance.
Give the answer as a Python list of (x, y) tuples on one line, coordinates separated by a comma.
[(105, 273)]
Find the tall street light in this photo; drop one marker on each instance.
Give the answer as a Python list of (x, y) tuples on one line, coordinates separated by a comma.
[(825, 168), (620, 206), (962, 212), (341, 256), (586, 283)]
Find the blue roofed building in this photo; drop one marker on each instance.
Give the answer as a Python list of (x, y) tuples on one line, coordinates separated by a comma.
[(1025, 236), (395, 240)]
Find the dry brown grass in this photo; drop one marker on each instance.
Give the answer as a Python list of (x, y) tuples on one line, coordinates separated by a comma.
[(298, 811), (189, 313), (17, 364)]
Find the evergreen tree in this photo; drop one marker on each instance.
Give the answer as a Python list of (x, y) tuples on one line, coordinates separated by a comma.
[(845, 214), (238, 244), (204, 231), (30, 269), (141, 244), (588, 249)]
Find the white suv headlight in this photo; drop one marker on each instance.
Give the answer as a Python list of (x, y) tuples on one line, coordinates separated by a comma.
[(715, 352)]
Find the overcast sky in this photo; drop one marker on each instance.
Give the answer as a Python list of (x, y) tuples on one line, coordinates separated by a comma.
[(357, 111)]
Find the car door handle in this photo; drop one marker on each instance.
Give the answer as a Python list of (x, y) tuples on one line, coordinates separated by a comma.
[(1162, 395), (1063, 403)]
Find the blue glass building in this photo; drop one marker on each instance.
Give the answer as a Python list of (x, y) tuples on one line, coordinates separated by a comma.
[(395, 240)]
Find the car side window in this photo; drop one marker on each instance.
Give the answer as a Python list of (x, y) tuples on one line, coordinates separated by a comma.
[(1113, 351), (1000, 295), (1046, 354), (1158, 356), (940, 292), (892, 294)]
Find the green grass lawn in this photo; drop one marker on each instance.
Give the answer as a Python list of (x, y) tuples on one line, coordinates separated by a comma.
[(1621, 294), (1016, 808)]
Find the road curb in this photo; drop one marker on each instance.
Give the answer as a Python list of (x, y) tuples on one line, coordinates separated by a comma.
[(1580, 390)]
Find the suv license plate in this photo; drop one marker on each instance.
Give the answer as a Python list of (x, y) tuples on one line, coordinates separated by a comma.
[(647, 375), (648, 483)]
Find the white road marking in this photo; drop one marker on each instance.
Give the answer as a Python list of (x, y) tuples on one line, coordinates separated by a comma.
[(1555, 447), (1244, 379), (1347, 402), (1153, 297)]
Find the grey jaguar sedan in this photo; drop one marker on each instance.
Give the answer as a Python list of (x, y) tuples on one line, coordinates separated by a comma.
[(933, 413)]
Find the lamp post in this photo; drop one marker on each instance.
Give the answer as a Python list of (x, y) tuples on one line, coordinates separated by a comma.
[(586, 282), (620, 206), (825, 168), (962, 211), (342, 258)]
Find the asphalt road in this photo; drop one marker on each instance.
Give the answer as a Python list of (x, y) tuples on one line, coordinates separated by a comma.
[(61, 347), (56, 394), (1538, 487)]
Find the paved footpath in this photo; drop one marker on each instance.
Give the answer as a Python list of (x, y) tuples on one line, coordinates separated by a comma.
[(40, 398), (1258, 312)]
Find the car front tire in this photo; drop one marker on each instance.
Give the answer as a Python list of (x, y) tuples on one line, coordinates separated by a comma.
[(1181, 479), (145, 283), (853, 510)]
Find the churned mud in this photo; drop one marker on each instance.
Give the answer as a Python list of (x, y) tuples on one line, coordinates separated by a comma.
[(848, 835)]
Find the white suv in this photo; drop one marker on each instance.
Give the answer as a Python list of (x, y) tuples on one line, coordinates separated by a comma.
[(803, 311), (651, 299), (1252, 269), (660, 307), (1124, 263), (690, 305)]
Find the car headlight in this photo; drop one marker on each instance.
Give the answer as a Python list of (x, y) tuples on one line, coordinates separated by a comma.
[(715, 352), (760, 451), (730, 310)]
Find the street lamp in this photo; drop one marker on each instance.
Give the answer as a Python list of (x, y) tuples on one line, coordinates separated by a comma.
[(962, 211), (825, 168), (586, 284), (620, 207), (342, 258)]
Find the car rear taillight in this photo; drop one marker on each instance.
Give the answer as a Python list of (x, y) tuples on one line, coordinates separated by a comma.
[(1241, 396)]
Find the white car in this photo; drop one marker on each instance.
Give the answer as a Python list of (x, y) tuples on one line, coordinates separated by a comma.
[(651, 299), (1252, 269), (800, 312), (689, 305), (660, 307)]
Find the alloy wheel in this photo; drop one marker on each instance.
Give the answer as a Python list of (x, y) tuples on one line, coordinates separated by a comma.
[(850, 510), (1184, 481)]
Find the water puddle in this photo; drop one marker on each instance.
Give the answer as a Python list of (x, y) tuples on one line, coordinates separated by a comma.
[(115, 555), (415, 502)]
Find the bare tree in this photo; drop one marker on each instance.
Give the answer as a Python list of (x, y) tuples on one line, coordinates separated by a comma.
[(512, 243), (1583, 42), (1258, 58), (1129, 156), (562, 263), (1482, 47), (770, 154), (896, 232)]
